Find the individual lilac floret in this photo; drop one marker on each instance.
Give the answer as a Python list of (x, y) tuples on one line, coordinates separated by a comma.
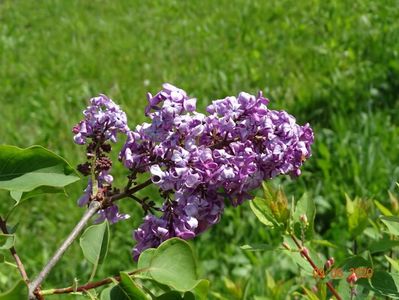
[(111, 214), (150, 234), (85, 198), (204, 159), (103, 118)]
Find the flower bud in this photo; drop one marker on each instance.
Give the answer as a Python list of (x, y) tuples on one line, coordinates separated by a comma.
[(329, 263), (304, 219), (352, 278)]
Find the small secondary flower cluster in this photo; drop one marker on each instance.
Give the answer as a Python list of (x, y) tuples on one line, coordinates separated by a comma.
[(198, 160), (103, 120)]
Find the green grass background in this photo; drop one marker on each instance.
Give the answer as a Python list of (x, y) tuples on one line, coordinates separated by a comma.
[(334, 64)]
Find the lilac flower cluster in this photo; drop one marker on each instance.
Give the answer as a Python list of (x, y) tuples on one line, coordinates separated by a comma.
[(103, 119), (199, 160), (102, 122)]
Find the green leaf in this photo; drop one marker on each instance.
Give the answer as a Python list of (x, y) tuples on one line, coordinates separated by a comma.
[(343, 290), (173, 264), (106, 293), (173, 295), (299, 259), (24, 170), (18, 292), (262, 211), (19, 196), (310, 295), (276, 201), (94, 243), (6, 241), (145, 261), (357, 211), (355, 262), (114, 293), (12, 229), (392, 223), (385, 211), (394, 263), (385, 284), (132, 290), (304, 207), (382, 245), (201, 290)]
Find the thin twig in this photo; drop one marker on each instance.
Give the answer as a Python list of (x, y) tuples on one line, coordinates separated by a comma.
[(18, 261), (93, 208), (130, 191), (87, 286), (315, 268)]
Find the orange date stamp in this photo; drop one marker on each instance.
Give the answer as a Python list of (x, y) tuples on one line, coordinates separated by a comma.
[(337, 273)]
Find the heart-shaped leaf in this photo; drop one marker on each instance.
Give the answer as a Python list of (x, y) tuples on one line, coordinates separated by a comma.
[(19, 196), (94, 243), (145, 261), (24, 170), (172, 264)]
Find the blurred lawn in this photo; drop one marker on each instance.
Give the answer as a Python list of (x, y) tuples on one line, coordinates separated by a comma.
[(332, 63)]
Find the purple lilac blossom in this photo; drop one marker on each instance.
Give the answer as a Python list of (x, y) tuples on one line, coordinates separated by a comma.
[(103, 119), (203, 159), (111, 214)]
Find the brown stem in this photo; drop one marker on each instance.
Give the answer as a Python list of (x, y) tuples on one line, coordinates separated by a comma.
[(87, 286), (18, 261), (34, 286), (93, 208), (130, 191), (305, 254)]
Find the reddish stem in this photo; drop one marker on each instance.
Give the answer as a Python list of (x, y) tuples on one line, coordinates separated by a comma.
[(305, 254), (87, 286)]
